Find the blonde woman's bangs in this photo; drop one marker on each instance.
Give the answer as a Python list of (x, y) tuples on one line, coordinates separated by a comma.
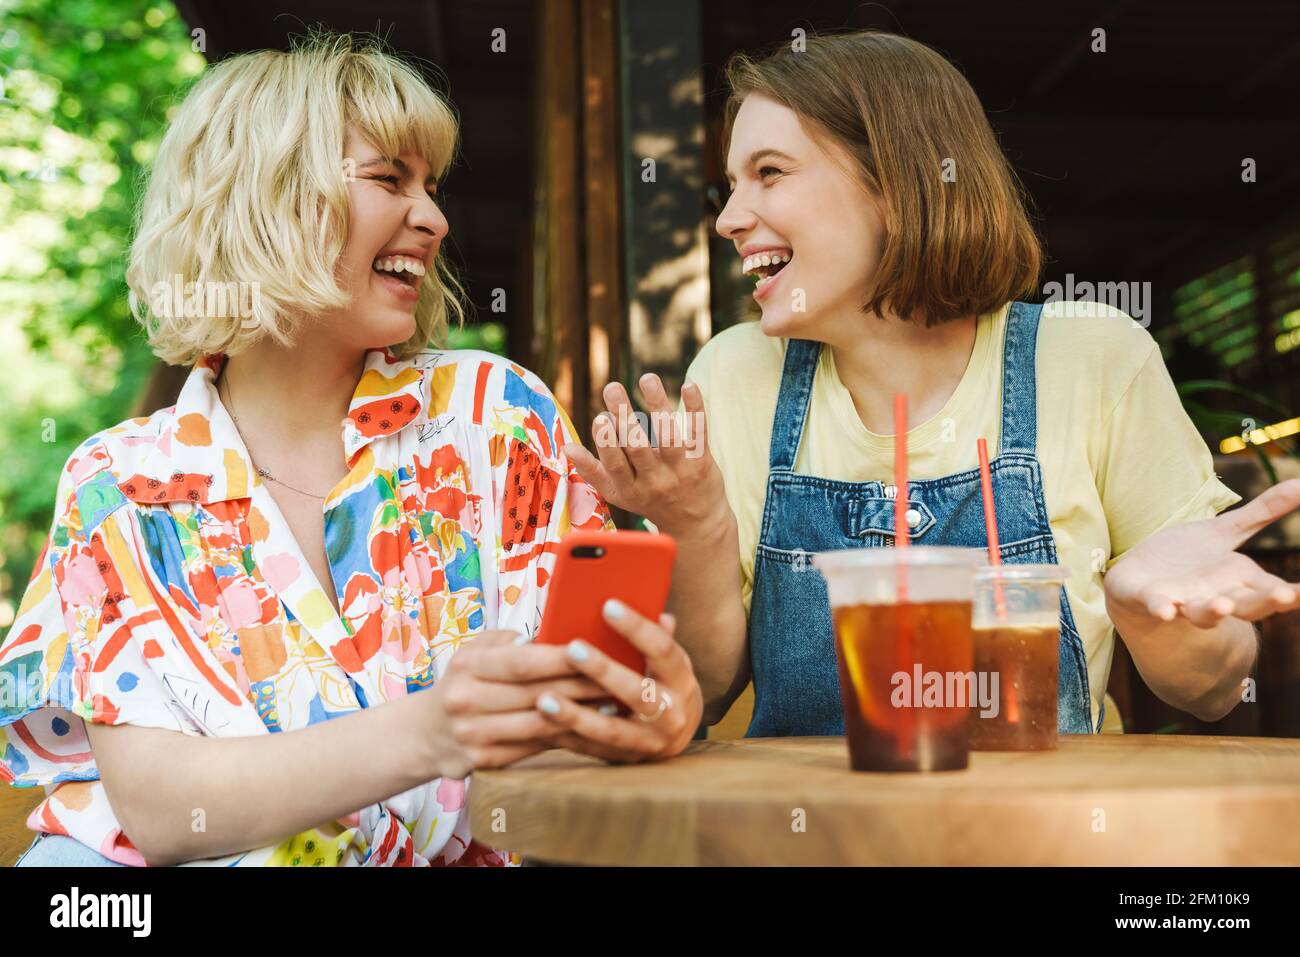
[(248, 196), (398, 114)]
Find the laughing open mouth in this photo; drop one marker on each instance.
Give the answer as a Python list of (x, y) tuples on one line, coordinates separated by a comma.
[(405, 269), (765, 265)]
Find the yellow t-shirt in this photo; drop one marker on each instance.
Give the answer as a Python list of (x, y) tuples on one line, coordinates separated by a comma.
[(1120, 459)]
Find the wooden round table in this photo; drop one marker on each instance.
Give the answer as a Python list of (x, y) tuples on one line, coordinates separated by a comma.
[(1130, 799)]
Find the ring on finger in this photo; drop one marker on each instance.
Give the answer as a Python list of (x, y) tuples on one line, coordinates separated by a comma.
[(665, 702)]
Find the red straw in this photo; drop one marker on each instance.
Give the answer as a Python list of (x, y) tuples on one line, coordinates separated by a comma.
[(1011, 699), (991, 521), (906, 653), (900, 471)]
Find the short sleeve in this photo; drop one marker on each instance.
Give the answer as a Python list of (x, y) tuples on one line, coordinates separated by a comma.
[(78, 648), (727, 448), (1154, 469), (37, 663), (539, 494)]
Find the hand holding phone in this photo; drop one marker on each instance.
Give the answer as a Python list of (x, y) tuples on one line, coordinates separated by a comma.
[(635, 568)]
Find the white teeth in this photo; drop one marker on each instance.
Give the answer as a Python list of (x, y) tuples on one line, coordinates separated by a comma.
[(758, 260), (400, 264)]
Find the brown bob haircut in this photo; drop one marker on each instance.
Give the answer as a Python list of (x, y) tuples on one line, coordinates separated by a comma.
[(900, 110)]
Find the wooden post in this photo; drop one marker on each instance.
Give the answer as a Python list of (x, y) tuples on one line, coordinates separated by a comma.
[(602, 184), (577, 247), (558, 346)]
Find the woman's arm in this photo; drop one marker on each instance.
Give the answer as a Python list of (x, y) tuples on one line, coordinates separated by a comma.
[(254, 791), (706, 602), (679, 488), (1184, 598), (181, 798), (1197, 670)]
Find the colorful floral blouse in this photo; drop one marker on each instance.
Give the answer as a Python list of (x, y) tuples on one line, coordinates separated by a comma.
[(171, 593)]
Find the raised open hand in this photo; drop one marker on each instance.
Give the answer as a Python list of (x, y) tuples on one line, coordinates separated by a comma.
[(1194, 570), (677, 485)]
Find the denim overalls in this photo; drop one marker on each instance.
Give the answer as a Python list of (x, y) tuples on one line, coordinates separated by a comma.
[(791, 643)]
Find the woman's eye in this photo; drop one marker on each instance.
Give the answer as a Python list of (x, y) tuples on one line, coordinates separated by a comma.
[(764, 171), (395, 182)]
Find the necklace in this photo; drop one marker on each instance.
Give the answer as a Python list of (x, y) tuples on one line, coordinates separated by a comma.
[(261, 471)]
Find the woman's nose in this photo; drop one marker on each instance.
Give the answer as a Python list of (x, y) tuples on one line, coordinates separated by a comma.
[(427, 216), (734, 218)]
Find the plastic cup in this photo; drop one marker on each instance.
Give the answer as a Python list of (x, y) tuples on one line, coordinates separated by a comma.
[(1017, 653), (903, 644)]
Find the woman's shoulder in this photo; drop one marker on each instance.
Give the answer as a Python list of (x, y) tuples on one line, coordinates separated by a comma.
[(102, 462), (739, 349), (1091, 345), (461, 379), (494, 394)]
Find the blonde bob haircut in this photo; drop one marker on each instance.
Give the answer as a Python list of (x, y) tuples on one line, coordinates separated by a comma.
[(958, 240), (249, 192)]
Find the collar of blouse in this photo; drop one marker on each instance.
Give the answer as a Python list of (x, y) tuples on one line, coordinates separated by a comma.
[(193, 452)]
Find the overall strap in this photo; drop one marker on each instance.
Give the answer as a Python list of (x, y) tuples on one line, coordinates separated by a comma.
[(792, 401), (1019, 387)]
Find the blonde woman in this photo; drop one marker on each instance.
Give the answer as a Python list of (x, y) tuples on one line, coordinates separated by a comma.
[(218, 657), (890, 250)]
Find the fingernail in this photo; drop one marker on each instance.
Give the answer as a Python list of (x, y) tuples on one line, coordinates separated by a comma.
[(615, 609), (608, 709), (521, 639), (578, 650), (548, 703)]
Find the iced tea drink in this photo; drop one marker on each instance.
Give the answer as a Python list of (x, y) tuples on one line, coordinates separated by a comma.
[(904, 666), (1017, 655)]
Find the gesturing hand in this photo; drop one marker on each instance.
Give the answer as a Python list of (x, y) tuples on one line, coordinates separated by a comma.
[(677, 486), (1194, 570)]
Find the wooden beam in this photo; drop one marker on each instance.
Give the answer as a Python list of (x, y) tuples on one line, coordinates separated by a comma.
[(602, 196), (557, 348)]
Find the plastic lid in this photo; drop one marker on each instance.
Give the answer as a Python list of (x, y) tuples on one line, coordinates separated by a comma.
[(846, 559), (1046, 574)]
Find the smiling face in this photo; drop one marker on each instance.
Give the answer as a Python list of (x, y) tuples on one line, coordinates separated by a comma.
[(395, 229), (794, 199)]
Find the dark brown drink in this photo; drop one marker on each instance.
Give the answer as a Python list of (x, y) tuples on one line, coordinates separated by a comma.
[(1025, 659), (881, 649)]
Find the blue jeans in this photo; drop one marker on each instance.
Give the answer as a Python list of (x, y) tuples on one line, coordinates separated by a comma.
[(55, 850)]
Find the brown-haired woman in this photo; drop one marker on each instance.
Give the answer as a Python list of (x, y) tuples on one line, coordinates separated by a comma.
[(891, 246)]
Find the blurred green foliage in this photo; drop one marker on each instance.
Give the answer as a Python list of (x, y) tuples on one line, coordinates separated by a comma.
[(488, 336), (86, 89), (87, 86)]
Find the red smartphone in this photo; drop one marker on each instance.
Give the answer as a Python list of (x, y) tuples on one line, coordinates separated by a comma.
[(634, 567)]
